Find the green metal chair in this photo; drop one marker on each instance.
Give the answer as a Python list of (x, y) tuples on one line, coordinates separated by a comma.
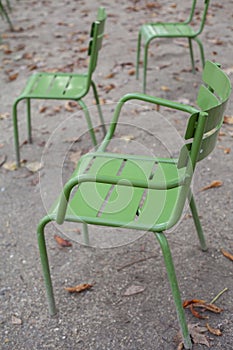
[(150, 31), (65, 86), (143, 192)]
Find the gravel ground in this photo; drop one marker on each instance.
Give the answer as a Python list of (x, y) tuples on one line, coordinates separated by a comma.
[(52, 35)]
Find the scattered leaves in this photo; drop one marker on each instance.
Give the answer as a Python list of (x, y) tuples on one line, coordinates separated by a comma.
[(13, 76), (62, 242), (131, 71), (79, 288), (11, 166), (42, 109), (4, 115), (213, 184), (109, 87), (215, 331), (227, 254), (203, 305), (110, 75), (134, 289)]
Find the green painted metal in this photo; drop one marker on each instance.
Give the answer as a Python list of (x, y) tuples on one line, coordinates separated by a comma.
[(65, 86), (151, 31), (142, 192)]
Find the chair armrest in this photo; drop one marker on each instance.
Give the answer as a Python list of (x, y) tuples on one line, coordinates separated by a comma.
[(113, 180), (146, 98)]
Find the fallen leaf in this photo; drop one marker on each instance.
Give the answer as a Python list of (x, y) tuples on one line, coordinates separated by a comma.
[(79, 288), (4, 115), (131, 71), (127, 137), (228, 119), (42, 109), (165, 88), (110, 75), (62, 242), (213, 184), (196, 334), (34, 166), (13, 77), (196, 314), (134, 289), (192, 301), (215, 331), (16, 320), (227, 150), (11, 166), (109, 87), (75, 156), (226, 254), (69, 105)]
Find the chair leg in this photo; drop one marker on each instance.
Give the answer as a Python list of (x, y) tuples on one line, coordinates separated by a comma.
[(174, 288), (191, 54), (89, 123), (85, 234), (197, 222), (29, 120), (16, 133), (102, 122), (138, 54), (45, 264), (201, 51), (145, 66)]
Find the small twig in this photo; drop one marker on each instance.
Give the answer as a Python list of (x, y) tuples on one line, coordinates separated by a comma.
[(135, 262), (218, 295)]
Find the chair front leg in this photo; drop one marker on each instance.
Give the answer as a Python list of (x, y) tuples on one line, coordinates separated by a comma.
[(174, 288), (138, 53), (145, 65), (201, 51), (45, 264)]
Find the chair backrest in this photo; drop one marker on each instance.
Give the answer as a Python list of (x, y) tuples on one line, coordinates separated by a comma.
[(203, 127), (204, 13), (96, 38)]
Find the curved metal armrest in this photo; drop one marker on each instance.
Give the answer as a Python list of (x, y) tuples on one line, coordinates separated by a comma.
[(113, 180), (145, 98)]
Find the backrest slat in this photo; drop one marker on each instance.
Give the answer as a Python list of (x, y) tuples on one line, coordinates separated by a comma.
[(212, 109)]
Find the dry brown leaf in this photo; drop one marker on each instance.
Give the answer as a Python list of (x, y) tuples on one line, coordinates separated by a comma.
[(213, 184), (62, 242), (79, 288), (197, 336), (165, 88), (215, 331), (196, 314), (110, 75), (13, 76), (134, 289), (69, 105), (131, 71), (192, 301), (227, 150), (42, 109), (227, 254), (228, 119), (109, 87)]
